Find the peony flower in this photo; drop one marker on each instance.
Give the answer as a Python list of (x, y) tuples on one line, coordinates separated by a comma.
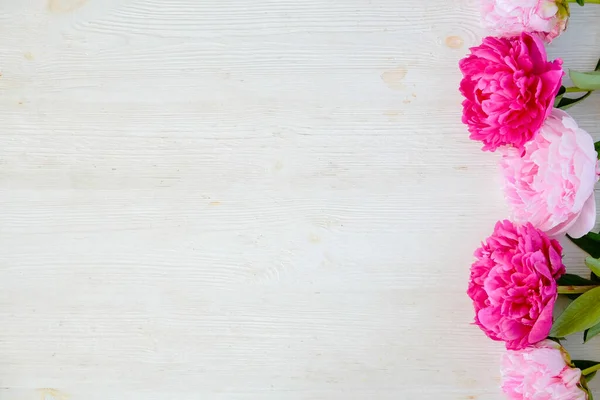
[(513, 284), (545, 18), (509, 88), (552, 183), (542, 372)]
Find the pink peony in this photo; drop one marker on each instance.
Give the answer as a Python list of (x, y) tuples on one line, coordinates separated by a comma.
[(542, 372), (551, 185), (509, 88), (544, 18), (513, 284)]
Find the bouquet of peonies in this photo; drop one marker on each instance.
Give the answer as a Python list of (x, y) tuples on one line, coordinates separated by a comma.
[(514, 103)]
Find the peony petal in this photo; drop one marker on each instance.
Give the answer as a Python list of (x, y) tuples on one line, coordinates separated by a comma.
[(542, 326), (586, 220)]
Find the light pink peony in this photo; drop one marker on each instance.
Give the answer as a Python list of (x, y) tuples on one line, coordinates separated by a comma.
[(541, 372), (513, 284), (544, 18), (551, 185), (509, 88)]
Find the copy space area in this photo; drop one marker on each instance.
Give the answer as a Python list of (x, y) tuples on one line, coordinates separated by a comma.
[(247, 199)]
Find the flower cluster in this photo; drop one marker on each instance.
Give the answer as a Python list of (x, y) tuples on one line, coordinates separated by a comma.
[(514, 104)]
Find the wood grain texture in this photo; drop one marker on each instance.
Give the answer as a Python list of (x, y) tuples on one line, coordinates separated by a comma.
[(245, 199)]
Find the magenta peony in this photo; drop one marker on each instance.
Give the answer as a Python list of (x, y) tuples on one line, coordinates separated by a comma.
[(541, 372), (544, 18), (551, 185), (509, 88), (513, 284)]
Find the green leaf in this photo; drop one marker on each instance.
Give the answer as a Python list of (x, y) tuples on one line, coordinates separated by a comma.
[(581, 2), (566, 102), (559, 96), (557, 340), (597, 148), (589, 378), (586, 80), (589, 243), (574, 280), (584, 364), (584, 385), (593, 264), (590, 333), (581, 314)]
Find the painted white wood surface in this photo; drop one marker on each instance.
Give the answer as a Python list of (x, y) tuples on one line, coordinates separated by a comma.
[(245, 199)]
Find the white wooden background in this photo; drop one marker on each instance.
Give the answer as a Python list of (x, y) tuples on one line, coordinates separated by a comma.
[(246, 199)]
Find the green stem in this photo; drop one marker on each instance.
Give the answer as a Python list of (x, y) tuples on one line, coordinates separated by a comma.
[(591, 369), (575, 289), (575, 89), (587, 1)]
